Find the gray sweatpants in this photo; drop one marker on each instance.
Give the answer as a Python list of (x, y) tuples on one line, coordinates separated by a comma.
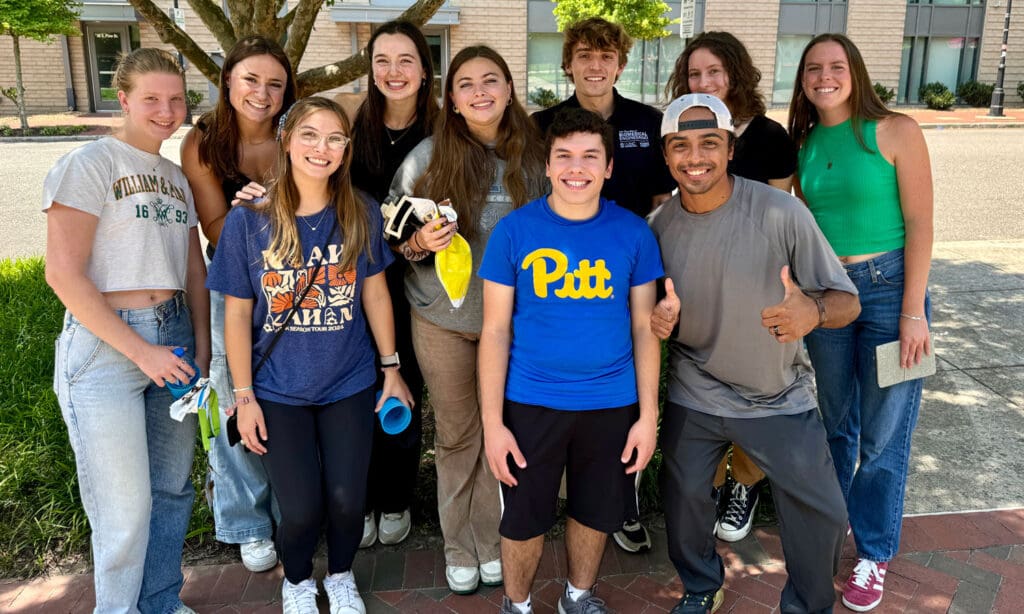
[(793, 453)]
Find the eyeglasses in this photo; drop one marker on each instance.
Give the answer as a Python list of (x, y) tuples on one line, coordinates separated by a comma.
[(312, 138)]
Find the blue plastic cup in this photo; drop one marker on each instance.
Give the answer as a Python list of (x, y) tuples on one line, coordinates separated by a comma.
[(394, 416), (178, 389)]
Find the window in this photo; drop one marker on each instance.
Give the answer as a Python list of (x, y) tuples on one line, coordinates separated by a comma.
[(948, 60), (799, 22)]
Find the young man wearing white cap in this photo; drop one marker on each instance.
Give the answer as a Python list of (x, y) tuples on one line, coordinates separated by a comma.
[(754, 275)]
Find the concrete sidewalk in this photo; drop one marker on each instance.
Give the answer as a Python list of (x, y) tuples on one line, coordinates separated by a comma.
[(967, 459)]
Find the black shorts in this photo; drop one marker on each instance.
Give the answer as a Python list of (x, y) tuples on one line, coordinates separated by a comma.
[(587, 445)]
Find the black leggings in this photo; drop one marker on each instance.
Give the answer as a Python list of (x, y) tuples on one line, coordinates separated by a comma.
[(318, 456)]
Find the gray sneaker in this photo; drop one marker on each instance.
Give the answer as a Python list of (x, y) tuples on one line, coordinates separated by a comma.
[(586, 604), (508, 608)]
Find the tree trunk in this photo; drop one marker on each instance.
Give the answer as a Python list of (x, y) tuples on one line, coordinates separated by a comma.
[(19, 82)]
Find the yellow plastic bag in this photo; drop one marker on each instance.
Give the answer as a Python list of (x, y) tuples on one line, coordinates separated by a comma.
[(454, 267)]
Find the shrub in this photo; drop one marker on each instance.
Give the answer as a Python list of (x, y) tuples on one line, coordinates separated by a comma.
[(6, 130), (975, 94), (193, 99), (936, 95), (11, 93), (41, 515), (941, 101), (61, 130), (1020, 90), (885, 93), (543, 98)]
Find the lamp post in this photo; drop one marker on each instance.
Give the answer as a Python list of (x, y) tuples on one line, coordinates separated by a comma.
[(181, 61), (996, 110)]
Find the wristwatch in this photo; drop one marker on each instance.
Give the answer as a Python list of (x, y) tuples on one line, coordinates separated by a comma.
[(390, 362)]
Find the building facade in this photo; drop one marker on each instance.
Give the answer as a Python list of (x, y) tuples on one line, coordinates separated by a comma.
[(906, 43)]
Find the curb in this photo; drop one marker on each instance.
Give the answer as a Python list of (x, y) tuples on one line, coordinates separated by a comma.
[(970, 125)]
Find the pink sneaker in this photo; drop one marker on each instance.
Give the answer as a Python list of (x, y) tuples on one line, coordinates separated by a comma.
[(864, 588)]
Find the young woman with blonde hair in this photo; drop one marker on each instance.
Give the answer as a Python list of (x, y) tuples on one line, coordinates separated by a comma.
[(123, 255), (303, 277)]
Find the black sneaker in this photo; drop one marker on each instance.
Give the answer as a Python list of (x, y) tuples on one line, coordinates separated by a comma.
[(633, 537), (699, 603), (738, 517)]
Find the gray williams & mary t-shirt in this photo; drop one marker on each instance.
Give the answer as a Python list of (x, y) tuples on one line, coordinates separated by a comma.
[(726, 267), (145, 212)]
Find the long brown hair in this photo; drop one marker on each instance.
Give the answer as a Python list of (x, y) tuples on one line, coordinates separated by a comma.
[(369, 140), (218, 141), (462, 168), (745, 101), (864, 102), (283, 198)]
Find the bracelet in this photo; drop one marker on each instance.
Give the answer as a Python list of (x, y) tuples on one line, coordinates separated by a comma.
[(910, 317), (820, 302), (415, 239), (241, 389)]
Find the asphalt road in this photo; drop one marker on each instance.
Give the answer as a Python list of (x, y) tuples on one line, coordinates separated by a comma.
[(979, 187)]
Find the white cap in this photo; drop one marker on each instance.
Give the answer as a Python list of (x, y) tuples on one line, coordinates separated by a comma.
[(670, 121)]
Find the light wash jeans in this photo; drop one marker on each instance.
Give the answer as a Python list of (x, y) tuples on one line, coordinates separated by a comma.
[(241, 499), (866, 423), (133, 460)]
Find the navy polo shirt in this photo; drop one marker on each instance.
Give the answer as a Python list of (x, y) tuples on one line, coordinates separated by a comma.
[(640, 171)]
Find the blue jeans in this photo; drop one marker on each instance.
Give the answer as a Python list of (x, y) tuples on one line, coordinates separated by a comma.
[(241, 498), (133, 460), (866, 423)]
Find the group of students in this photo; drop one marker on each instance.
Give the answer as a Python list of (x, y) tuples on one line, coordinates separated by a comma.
[(549, 366)]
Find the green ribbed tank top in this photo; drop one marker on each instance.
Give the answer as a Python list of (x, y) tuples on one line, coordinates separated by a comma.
[(853, 193)]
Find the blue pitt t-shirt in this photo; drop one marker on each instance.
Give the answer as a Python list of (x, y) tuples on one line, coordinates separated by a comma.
[(326, 353), (572, 345)]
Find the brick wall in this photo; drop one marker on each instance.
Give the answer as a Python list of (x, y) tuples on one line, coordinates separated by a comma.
[(500, 24), (992, 40), (42, 69), (876, 27), (756, 24)]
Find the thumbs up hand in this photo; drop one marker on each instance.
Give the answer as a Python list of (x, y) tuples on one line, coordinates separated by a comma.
[(666, 313), (793, 317)]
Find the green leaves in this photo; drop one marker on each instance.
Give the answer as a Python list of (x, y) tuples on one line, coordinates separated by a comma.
[(39, 19), (642, 19)]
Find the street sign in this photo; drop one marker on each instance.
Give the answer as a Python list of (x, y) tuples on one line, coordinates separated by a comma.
[(178, 16), (687, 10)]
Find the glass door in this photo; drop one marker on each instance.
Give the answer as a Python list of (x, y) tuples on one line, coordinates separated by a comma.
[(104, 45)]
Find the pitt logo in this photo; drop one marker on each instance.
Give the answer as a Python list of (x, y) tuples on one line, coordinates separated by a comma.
[(551, 266)]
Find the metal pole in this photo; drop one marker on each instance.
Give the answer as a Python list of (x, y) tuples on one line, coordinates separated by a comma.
[(996, 110), (181, 62)]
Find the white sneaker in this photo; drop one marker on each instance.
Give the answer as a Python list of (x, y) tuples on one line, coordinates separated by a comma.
[(490, 573), (394, 527), (343, 594), (462, 580), (369, 531), (259, 555), (299, 598)]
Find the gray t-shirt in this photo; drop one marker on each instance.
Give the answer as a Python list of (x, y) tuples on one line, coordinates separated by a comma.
[(426, 295), (145, 212), (726, 267)]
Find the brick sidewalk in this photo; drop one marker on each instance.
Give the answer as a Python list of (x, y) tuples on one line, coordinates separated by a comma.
[(963, 563)]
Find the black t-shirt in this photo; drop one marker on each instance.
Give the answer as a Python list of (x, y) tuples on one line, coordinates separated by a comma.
[(764, 151), (377, 181), (639, 172)]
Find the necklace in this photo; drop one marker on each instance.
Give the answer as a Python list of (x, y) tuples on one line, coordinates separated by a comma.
[(394, 139), (313, 227)]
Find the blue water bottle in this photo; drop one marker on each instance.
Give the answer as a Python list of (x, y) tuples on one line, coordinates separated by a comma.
[(177, 389), (394, 416)]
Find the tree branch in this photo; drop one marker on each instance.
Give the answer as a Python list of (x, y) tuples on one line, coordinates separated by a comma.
[(216, 22), (303, 18), (173, 35), (339, 73)]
